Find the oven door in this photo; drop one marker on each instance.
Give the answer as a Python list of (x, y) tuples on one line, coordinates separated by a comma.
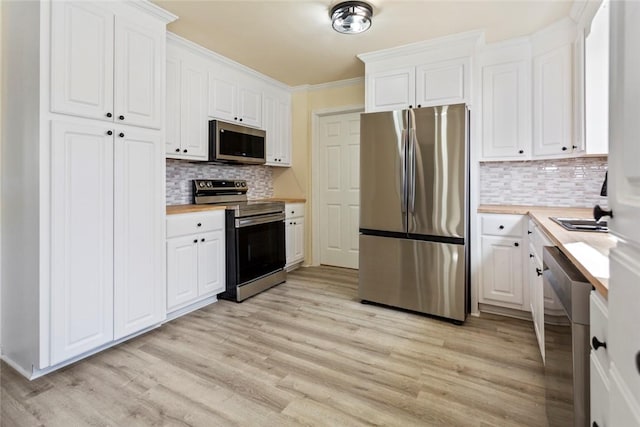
[(260, 248)]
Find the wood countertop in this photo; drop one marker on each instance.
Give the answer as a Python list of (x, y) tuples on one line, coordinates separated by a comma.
[(588, 251), (181, 209)]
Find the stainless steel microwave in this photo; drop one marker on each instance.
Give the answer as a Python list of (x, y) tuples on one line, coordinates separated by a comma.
[(231, 143)]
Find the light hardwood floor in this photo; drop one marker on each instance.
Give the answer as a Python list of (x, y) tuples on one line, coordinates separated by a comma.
[(303, 353)]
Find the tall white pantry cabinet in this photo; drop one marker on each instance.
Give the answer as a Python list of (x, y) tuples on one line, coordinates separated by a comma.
[(83, 177)]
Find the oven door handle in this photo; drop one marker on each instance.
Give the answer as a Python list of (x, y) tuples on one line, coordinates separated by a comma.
[(261, 219)]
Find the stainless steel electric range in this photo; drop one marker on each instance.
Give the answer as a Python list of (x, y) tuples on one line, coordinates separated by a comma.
[(255, 238)]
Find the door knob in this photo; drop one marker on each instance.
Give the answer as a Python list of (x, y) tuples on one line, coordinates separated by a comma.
[(596, 343), (598, 213)]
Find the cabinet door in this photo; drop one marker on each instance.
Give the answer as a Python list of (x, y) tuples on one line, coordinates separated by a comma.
[(139, 62), (284, 124), (222, 96), (194, 125), (211, 263), (391, 90), (139, 261), (298, 240), (81, 239), (506, 110), (624, 122), (270, 122), (82, 60), (182, 271), (552, 101), (173, 110), (290, 241), (579, 93), (442, 83), (250, 106), (502, 276)]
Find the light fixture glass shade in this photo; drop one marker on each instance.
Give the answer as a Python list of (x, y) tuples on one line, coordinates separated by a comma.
[(351, 17)]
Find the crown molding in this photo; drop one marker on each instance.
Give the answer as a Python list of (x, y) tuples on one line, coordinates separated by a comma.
[(154, 10), (329, 85)]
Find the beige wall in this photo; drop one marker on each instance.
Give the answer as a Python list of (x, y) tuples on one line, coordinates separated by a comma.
[(296, 180)]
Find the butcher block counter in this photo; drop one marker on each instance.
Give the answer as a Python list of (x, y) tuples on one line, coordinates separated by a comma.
[(181, 209), (588, 251)]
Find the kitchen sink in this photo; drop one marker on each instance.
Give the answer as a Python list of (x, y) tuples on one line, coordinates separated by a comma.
[(581, 224)]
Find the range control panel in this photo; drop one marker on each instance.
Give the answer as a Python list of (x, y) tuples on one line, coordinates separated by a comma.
[(214, 186)]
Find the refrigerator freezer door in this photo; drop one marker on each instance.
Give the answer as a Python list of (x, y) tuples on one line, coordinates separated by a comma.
[(437, 168), (382, 171), (416, 275)]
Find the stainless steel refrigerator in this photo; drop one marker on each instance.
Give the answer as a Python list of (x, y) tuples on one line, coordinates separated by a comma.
[(414, 210)]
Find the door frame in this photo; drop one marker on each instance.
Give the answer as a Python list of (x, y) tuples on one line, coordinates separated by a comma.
[(315, 175)]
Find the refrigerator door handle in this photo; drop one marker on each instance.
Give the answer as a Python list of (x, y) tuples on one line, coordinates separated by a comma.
[(403, 190), (411, 171)]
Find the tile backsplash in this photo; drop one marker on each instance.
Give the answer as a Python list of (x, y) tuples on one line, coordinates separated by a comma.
[(181, 172), (562, 182)]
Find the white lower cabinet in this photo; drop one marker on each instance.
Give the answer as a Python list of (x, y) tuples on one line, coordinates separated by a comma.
[(502, 253), (294, 234), (536, 297), (106, 238), (195, 257)]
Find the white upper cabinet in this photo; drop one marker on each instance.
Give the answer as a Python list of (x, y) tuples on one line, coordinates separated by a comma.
[(277, 124), (505, 73), (82, 37), (434, 72), (391, 90), (233, 98), (442, 82), (552, 102), (106, 66)]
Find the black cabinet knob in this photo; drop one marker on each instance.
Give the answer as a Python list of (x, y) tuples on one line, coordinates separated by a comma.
[(638, 361), (596, 343), (594, 424), (564, 148), (419, 105), (195, 241), (109, 132), (521, 152), (199, 224), (184, 151), (121, 135), (598, 213), (575, 147), (531, 255), (410, 106), (121, 117), (235, 118), (177, 150), (529, 231), (240, 118), (109, 114), (538, 272), (501, 227), (516, 244), (202, 240)]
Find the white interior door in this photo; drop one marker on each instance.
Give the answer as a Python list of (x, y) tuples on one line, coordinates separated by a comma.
[(339, 198)]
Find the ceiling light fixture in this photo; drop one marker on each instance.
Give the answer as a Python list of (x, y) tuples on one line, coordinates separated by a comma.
[(351, 17)]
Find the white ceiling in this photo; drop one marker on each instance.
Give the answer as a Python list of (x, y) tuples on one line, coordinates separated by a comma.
[(292, 40)]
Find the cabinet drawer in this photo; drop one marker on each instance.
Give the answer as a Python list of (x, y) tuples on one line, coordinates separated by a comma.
[(599, 320), (502, 225), (293, 210), (190, 223)]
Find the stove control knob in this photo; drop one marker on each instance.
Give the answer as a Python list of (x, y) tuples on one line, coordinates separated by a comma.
[(209, 184), (201, 184), (244, 184), (237, 184)]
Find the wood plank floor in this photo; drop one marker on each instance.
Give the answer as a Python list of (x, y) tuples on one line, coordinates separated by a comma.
[(303, 353)]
